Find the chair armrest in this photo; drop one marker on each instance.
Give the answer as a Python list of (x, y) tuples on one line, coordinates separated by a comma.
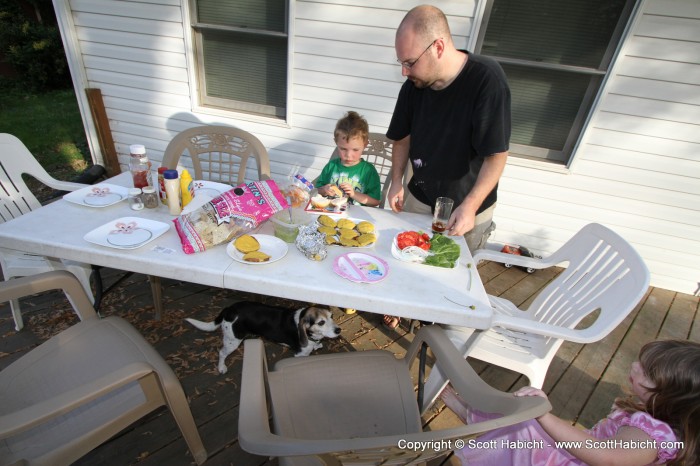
[(65, 185), (38, 413), (586, 335), (503, 258), (58, 279), (468, 383)]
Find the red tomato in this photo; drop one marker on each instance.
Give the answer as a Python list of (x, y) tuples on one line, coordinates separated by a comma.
[(413, 238)]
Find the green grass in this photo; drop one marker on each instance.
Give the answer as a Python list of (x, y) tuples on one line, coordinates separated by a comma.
[(50, 126)]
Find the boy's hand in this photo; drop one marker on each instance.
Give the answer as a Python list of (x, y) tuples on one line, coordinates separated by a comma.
[(325, 190), (348, 190)]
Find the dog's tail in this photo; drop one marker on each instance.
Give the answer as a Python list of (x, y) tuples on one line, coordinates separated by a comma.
[(206, 326)]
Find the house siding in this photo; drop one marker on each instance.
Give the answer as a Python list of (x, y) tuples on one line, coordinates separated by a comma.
[(636, 167)]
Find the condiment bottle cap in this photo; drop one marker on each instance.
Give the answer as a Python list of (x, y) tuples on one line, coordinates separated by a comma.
[(148, 189), (170, 174), (137, 149)]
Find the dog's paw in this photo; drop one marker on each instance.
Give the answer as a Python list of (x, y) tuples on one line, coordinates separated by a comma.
[(318, 346), (222, 369)]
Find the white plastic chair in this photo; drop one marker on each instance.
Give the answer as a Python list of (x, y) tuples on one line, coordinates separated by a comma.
[(360, 407), (15, 200), (84, 385), (218, 153), (604, 274)]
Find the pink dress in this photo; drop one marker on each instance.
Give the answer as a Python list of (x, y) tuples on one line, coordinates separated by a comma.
[(527, 443)]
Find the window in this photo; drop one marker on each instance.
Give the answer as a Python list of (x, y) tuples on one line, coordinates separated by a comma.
[(555, 54), (241, 50)]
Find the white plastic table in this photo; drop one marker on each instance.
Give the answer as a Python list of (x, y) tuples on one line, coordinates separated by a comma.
[(447, 296)]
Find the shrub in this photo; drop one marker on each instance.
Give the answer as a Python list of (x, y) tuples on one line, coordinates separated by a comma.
[(31, 43)]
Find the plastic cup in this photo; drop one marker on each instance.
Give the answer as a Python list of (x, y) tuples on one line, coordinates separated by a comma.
[(287, 230)]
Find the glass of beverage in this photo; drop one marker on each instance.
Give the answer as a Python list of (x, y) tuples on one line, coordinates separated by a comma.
[(441, 215)]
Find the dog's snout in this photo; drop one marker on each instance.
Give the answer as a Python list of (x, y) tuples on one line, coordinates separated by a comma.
[(337, 331)]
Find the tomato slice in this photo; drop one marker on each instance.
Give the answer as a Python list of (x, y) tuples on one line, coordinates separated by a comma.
[(413, 238)]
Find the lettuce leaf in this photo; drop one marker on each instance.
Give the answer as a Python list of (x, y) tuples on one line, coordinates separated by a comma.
[(445, 252)]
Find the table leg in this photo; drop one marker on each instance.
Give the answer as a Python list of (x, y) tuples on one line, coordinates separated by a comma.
[(459, 336), (157, 292)]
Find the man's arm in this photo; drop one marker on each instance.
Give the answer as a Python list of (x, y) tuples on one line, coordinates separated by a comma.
[(462, 219), (399, 159)]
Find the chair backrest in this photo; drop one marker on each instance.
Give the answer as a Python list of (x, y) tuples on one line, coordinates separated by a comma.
[(378, 152), (16, 199), (218, 153), (604, 273)]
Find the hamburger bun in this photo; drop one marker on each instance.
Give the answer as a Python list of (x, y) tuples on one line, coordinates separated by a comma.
[(246, 243), (320, 202), (256, 256)]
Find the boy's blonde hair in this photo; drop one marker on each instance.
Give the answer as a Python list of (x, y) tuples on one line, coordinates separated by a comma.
[(352, 125)]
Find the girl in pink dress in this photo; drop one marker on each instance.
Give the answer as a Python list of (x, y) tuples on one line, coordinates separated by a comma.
[(659, 423)]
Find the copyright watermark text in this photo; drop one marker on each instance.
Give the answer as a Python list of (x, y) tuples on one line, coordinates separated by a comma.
[(435, 445)]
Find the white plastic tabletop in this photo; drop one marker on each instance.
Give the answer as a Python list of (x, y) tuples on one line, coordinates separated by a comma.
[(449, 296)]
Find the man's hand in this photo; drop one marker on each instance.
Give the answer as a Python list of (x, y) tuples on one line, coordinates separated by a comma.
[(395, 197), (461, 221)]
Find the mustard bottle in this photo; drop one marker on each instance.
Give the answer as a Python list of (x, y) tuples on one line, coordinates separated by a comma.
[(186, 187)]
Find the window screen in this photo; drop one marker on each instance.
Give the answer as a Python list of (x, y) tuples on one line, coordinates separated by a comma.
[(555, 54), (242, 55)]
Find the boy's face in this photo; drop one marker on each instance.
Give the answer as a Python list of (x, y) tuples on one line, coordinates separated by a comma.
[(350, 150)]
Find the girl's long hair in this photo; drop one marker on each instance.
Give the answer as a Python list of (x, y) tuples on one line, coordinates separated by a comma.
[(674, 368)]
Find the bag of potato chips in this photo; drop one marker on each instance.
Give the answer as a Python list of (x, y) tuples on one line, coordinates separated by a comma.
[(228, 216)]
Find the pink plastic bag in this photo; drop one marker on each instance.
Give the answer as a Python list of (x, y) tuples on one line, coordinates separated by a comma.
[(230, 215)]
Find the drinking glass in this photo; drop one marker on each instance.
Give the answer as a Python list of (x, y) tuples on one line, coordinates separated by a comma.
[(441, 216)]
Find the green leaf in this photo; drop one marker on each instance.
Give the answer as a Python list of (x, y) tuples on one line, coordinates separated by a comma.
[(445, 252)]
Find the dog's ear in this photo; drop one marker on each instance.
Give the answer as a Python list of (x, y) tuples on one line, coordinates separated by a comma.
[(305, 322)]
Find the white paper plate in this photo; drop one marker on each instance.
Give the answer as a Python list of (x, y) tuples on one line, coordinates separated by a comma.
[(99, 195), (210, 188), (417, 258), (356, 221), (361, 268), (205, 191), (270, 245), (127, 233)]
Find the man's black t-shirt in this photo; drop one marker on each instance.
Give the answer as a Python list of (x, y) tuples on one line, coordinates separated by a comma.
[(453, 129)]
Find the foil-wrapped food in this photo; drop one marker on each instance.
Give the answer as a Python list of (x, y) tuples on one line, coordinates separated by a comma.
[(311, 243)]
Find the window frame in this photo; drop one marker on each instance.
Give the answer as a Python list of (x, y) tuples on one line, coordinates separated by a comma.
[(225, 107), (596, 86)]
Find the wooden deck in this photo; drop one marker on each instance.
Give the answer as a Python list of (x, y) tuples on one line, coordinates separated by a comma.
[(582, 381)]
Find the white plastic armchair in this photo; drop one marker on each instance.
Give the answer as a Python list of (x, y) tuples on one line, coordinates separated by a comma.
[(604, 274), (15, 200), (360, 407)]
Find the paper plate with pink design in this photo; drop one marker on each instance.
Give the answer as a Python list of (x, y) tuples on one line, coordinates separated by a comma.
[(99, 195), (361, 268), (127, 233)]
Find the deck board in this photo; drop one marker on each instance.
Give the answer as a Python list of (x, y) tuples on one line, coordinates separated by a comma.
[(582, 381)]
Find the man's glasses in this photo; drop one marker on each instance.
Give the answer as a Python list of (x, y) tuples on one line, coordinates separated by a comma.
[(410, 64)]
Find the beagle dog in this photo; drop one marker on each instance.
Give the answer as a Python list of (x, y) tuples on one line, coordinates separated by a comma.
[(299, 330)]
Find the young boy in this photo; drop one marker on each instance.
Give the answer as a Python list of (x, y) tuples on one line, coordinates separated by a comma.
[(357, 178)]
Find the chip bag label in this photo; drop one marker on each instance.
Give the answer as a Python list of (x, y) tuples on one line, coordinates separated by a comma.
[(231, 214)]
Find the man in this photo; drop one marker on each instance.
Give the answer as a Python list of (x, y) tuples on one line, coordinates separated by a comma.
[(452, 121)]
